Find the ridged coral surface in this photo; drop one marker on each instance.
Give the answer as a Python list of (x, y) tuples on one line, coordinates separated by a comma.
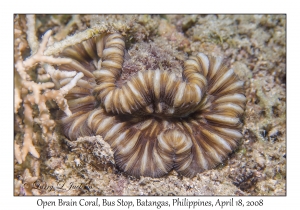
[(154, 122)]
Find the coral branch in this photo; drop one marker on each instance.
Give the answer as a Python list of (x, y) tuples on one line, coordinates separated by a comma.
[(64, 32), (27, 144), (40, 57), (31, 37), (96, 29), (17, 92), (72, 40), (57, 75), (65, 89), (18, 153), (31, 93)]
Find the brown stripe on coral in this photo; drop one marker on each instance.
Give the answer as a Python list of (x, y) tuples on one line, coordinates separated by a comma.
[(204, 63), (236, 98), (78, 126), (90, 48), (105, 125), (80, 91)]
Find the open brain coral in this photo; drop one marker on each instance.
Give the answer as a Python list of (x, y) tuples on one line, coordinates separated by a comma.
[(154, 122)]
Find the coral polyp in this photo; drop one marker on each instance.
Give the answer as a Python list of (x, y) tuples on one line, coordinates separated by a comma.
[(155, 121)]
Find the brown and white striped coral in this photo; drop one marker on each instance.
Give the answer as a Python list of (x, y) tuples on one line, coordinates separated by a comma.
[(154, 122)]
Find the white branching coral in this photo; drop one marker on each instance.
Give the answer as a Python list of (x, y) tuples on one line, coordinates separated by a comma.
[(29, 93), (75, 20)]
